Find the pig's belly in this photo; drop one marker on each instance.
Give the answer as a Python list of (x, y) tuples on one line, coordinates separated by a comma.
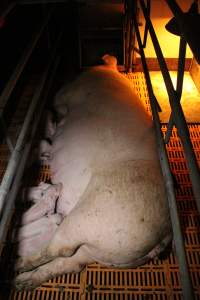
[(122, 214), (83, 146)]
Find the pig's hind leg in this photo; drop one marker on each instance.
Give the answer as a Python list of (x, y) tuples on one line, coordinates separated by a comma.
[(58, 266), (66, 240)]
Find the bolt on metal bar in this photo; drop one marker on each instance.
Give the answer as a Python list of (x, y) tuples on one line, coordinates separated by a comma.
[(176, 227), (177, 111), (9, 207), (189, 26), (21, 64), (179, 84), (16, 154)]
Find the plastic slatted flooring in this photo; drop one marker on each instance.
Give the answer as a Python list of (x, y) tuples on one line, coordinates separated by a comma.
[(157, 280)]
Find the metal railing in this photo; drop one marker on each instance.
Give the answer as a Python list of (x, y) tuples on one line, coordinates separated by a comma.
[(177, 118), (19, 153)]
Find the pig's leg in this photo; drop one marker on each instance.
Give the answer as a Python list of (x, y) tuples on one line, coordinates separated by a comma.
[(37, 234), (65, 242), (46, 205), (59, 266)]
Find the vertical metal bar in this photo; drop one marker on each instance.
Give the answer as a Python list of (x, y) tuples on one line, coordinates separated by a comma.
[(179, 84), (178, 239), (146, 27), (130, 48), (127, 36), (178, 115)]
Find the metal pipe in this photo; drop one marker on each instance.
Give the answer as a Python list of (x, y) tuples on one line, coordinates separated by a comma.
[(9, 207), (23, 2), (179, 84), (178, 115), (21, 65), (189, 26), (176, 227), (146, 27), (16, 154), (8, 9)]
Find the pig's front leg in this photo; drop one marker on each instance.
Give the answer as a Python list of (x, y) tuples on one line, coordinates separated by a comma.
[(46, 204), (58, 266)]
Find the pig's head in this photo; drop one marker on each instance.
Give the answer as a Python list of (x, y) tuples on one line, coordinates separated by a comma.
[(110, 61)]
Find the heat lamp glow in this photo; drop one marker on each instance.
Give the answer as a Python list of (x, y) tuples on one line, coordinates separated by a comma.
[(190, 97)]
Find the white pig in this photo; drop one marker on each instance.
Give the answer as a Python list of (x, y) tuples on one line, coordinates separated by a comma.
[(107, 187)]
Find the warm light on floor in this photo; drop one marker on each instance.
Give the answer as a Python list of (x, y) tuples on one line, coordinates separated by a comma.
[(190, 97)]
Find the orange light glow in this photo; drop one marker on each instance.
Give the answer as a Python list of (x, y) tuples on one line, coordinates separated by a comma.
[(190, 97)]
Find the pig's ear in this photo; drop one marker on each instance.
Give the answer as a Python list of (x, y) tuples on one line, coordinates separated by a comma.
[(110, 61)]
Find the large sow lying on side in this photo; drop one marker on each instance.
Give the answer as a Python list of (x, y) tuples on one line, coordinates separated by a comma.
[(107, 200)]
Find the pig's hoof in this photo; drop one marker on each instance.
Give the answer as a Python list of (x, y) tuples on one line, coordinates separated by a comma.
[(25, 281), (23, 265)]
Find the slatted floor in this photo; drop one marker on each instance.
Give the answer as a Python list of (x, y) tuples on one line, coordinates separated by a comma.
[(157, 280)]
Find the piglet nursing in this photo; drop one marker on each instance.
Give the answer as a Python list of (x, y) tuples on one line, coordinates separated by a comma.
[(107, 201)]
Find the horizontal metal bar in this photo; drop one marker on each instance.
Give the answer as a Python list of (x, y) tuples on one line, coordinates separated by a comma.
[(66, 1), (15, 157), (177, 234), (189, 26), (177, 111), (21, 64)]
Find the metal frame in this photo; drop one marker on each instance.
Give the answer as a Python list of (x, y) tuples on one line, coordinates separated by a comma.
[(177, 118), (176, 227), (178, 115), (12, 177)]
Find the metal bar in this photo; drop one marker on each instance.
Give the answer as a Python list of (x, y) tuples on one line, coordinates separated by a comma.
[(8, 9), (189, 26), (23, 2), (178, 115), (127, 34), (9, 207), (21, 65), (177, 234), (146, 27), (16, 155), (130, 48), (179, 84)]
